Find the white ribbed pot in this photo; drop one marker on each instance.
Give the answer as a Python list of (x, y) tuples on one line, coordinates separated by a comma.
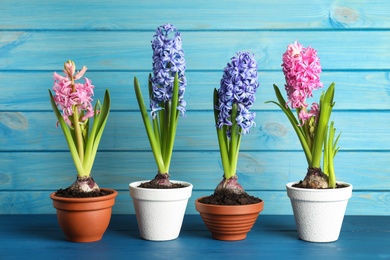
[(160, 212), (319, 213)]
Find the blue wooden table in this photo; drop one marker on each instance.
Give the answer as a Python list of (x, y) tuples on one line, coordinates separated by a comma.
[(272, 237)]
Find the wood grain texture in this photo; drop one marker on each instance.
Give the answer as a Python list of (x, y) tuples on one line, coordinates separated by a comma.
[(275, 203), (113, 40), (195, 15), (351, 87), (204, 50), (272, 237), (262, 170), (36, 131)]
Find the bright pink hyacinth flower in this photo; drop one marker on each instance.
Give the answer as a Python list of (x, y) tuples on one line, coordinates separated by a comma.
[(70, 95), (301, 68)]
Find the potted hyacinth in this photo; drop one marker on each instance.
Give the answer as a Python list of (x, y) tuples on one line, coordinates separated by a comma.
[(233, 119), (72, 105), (317, 135), (160, 203)]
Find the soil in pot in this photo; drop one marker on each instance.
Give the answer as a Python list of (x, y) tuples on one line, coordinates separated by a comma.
[(300, 185), (72, 193), (153, 185), (224, 197), (161, 181)]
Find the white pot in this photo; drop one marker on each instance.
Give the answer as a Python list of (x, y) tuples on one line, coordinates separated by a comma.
[(319, 213), (160, 212)]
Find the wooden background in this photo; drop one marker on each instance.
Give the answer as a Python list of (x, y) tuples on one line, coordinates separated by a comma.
[(113, 40)]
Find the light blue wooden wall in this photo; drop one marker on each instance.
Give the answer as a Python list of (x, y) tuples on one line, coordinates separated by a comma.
[(113, 40)]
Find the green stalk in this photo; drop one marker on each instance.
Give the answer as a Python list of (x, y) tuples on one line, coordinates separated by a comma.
[(235, 159), (233, 148), (79, 137), (173, 121), (99, 123), (162, 119), (326, 105), (331, 173), (327, 151), (332, 151), (222, 139), (149, 129), (165, 134), (300, 133), (68, 136), (155, 120)]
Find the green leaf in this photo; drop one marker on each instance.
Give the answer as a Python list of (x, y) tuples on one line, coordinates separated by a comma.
[(155, 121), (326, 105), (149, 129), (294, 122), (330, 154), (99, 123), (234, 143), (68, 137), (174, 116), (222, 139)]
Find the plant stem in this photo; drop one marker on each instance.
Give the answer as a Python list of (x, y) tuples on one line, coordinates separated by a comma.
[(222, 139), (326, 105), (68, 137), (298, 130), (100, 120), (79, 137), (149, 129), (234, 143)]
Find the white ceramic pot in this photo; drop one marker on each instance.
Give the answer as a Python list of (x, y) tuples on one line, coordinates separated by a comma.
[(319, 213), (160, 212)]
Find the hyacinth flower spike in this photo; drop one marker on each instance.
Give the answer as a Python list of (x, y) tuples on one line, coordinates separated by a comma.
[(301, 68), (233, 119), (166, 92), (72, 105)]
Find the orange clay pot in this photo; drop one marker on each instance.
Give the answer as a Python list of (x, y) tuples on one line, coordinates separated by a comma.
[(84, 219), (229, 223)]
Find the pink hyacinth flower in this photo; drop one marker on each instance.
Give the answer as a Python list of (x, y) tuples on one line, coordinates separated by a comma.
[(305, 115), (77, 96), (301, 67)]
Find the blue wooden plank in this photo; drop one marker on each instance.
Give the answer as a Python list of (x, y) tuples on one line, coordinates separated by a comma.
[(36, 131), (271, 237), (195, 15), (256, 170), (204, 50), (351, 86), (113, 40), (372, 203)]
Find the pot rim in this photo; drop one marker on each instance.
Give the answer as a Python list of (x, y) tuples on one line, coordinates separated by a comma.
[(82, 200), (160, 194), (227, 209), (289, 186), (134, 185), (319, 195), (226, 206)]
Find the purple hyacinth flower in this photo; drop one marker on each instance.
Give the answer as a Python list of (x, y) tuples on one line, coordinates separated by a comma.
[(238, 85), (168, 59)]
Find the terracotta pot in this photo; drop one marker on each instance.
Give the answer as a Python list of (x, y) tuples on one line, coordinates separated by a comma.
[(84, 219), (160, 212), (229, 223), (319, 213)]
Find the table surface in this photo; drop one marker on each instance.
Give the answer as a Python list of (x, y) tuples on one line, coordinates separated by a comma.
[(272, 237)]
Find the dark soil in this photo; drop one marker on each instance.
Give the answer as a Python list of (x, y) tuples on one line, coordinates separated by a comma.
[(226, 197), (72, 193), (153, 185), (298, 185)]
